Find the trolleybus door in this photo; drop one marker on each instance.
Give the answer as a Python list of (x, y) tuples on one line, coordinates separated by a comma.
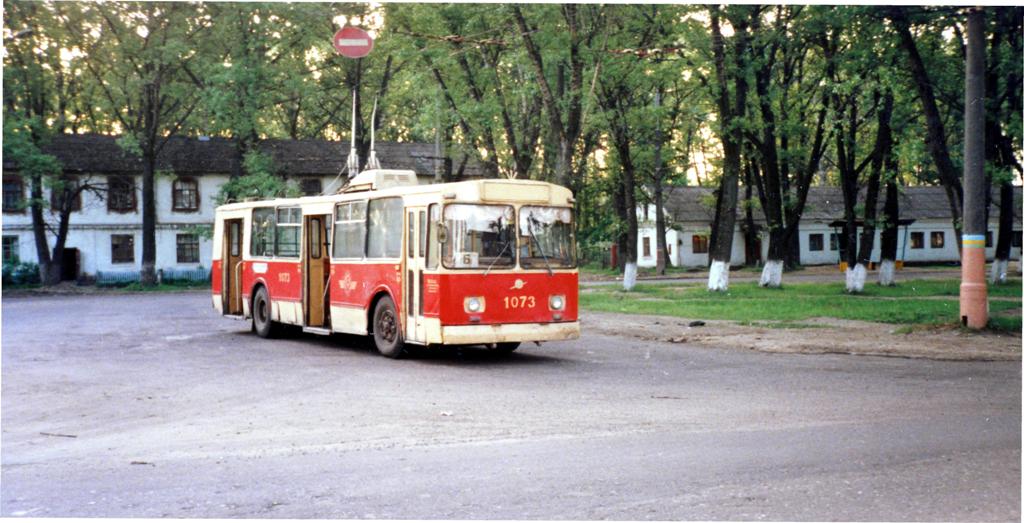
[(416, 248), (317, 271), (231, 275)]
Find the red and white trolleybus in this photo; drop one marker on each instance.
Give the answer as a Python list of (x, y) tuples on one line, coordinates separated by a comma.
[(488, 262)]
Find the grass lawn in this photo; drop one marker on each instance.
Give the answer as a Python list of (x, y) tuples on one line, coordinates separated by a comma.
[(612, 272), (916, 302), (166, 286)]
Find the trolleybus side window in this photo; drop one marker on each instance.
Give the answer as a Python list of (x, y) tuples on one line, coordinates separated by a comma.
[(384, 234), (423, 233), (412, 235), (479, 236), (236, 239), (546, 237), (432, 244), (350, 229), (263, 225), (289, 223)]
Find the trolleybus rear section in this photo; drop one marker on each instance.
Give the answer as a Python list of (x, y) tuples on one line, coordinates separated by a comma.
[(483, 262)]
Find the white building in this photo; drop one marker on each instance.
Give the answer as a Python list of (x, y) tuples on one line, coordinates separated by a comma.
[(105, 234), (929, 237)]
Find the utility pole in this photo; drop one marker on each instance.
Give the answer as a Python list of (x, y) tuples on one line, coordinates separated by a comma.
[(973, 288)]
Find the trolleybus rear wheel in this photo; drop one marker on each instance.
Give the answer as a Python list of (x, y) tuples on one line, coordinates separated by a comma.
[(261, 322), (387, 331)]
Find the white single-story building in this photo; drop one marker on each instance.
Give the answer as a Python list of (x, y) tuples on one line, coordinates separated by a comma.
[(105, 233), (926, 233)]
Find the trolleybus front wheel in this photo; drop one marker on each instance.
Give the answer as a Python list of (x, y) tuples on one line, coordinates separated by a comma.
[(261, 322), (387, 331), (505, 348)]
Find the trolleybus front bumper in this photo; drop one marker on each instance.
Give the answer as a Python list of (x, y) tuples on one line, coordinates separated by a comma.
[(509, 332)]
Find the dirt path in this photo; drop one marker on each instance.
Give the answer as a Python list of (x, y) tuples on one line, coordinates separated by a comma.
[(814, 336)]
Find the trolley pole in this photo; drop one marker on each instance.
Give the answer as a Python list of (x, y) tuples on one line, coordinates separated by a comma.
[(973, 288)]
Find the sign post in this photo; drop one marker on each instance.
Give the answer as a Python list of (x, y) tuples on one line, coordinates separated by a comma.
[(353, 42)]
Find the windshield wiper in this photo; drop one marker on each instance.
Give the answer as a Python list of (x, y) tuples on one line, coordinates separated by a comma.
[(529, 229), (503, 247)]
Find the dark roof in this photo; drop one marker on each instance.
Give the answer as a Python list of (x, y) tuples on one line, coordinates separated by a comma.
[(825, 204), (100, 154)]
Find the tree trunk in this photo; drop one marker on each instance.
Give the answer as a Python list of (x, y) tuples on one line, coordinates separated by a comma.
[(879, 159), (659, 207), (883, 143), (890, 234), (620, 236), (659, 227), (936, 138), (148, 276), (791, 258), (750, 233), (57, 267), (1005, 235), (39, 233), (771, 274), (720, 252), (629, 203)]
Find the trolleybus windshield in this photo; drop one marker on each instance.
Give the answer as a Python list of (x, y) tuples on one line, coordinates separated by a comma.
[(479, 236), (545, 237)]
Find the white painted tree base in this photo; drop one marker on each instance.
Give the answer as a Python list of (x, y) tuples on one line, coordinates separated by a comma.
[(771, 275), (629, 278), (887, 273), (718, 276), (998, 273), (855, 278)]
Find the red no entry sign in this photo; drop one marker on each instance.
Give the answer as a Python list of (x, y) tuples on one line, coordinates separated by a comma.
[(353, 42)]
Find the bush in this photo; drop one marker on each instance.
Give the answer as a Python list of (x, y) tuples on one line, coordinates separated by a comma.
[(20, 273)]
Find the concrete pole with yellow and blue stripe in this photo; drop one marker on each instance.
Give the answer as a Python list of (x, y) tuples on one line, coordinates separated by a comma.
[(973, 288)]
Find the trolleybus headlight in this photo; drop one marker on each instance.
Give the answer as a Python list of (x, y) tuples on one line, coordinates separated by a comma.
[(557, 303), (474, 304)]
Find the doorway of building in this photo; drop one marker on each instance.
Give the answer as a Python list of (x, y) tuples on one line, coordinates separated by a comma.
[(69, 264)]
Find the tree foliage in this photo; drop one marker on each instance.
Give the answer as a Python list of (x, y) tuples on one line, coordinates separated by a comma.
[(618, 102)]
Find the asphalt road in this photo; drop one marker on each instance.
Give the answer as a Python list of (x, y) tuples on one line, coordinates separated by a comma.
[(152, 406)]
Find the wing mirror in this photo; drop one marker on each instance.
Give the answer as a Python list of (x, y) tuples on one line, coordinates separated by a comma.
[(442, 232)]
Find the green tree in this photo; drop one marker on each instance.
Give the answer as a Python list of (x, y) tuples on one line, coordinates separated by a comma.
[(146, 50)]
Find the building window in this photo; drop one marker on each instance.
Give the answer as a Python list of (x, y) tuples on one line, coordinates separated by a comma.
[(10, 249), (61, 190), (121, 194), (647, 247), (188, 248), (14, 195), (833, 242), (700, 244), (1016, 239), (917, 240), (122, 248), (938, 239), (816, 241), (988, 239), (311, 186), (186, 195)]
